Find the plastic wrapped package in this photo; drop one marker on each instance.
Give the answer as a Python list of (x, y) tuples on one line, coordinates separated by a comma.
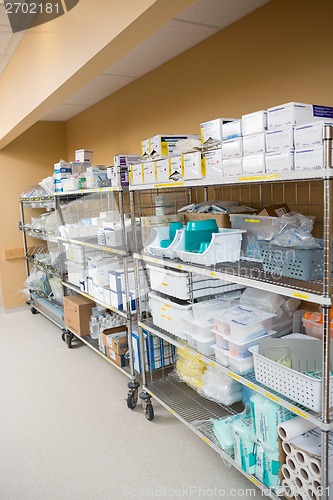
[(245, 447), (38, 281), (269, 302), (295, 231), (219, 387), (57, 290), (190, 369), (222, 429)]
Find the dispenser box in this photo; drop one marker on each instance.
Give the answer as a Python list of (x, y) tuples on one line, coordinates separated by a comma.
[(280, 161), (193, 166), (254, 123), (232, 129), (162, 146), (213, 129), (232, 148), (310, 134), (145, 147), (83, 155), (162, 170), (233, 167), (135, 174), (254, 144), (77, 314), (254, 164), (148, 172), (118, 359), (280, 139), (125, 160), (297, 113), (309, 159), (175, 168), (116, 339), (213, 164)]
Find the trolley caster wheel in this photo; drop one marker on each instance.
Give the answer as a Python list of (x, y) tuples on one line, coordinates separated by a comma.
[(132, 399), (33, 310), (149, 412), (69, 338), (64, 336)]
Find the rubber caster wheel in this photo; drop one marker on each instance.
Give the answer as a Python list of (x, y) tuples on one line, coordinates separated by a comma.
[(132, 400), (64, 337), (149, 412), (33, 310), (69, 340)]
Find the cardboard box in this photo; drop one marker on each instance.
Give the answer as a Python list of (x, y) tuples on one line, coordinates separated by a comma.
[(275, 210), (119, 359), (175, 167), (212, 130), (145, 147), (135, 174), (148, 172), (233, 167), (310, 134), (232, 148), (297, 113), (116, 339), (231, 129), (162, 146), (125, 160), (77, 313), (279, 161), (162, 170), (213, 164), (222, 220), (193, 166), (254, 164), (280, 139), (254, 144), (253, 123), (83, 155), (309, 159)]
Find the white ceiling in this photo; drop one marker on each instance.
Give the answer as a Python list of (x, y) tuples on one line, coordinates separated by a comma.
[(197, 23)]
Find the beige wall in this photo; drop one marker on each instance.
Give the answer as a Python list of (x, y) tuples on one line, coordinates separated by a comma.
[(23, 163), (279, 53)]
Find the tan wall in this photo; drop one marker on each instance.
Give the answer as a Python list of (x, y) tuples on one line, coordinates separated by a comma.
[(24, 162), (279, 53)]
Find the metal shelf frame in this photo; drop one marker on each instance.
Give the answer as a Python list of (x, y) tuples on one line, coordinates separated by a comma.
[(314, 292), (87, 244)]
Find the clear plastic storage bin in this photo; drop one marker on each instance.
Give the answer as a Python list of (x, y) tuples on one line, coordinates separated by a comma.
[(221, 340), (314, 329), (243, 323), (204, 345), (221, 356), (241, 349), (243, 366)]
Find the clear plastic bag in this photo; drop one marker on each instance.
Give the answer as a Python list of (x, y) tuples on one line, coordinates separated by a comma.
[(294, 230), (266, 301)]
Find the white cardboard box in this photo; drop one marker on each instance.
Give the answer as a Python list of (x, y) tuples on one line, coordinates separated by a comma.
[(309, 158), (297, 113), (162, 146), (125, 160), (254, 164), (213, 129), (175, 167), (192, 166), (233, 167), (136, 177), (254, 144), (280, 161), (84, 155), (213, 163), (310, 134), (231, 129), (280, 139), (162, 170), (253, 123), (232, 147), (148, 172), (145, 147)]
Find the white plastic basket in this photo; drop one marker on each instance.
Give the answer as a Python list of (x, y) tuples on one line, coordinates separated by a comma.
[(292, 383), (168, 314)]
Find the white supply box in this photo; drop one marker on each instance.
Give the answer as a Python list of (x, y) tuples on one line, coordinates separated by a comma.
[(279, 139), (253, 123), (79, 167), (145, 147), (233, 167), (280, 161), (232, 148), (168, 314), (212, 130), (125, 160), (148, 172), (297, 113), (232, 129), (78, 253), (175, 168), (192, 166), (162, 170), (212, 161), (70, 184), (84, 155), (310, 134), (136, 177), (254, 144), (309, 159), (77, 273), (62, 167), (254, 164), (162, 146)]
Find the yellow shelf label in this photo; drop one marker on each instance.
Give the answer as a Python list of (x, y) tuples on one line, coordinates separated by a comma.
[(273, 398), (171, 411), (155, 260), (252, 386), (299, 412), (206, 440), (212, 274), (169, 184), (198, 356), (254, 221), (164, 284), (254, 481), (211, 363), (301, 295), (180, 266), (259, 177), (233, 375)]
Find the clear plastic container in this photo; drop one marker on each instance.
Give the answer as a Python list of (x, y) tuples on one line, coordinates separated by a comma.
[(257, 228), (280, 355), (221, 325), (243, 366), (243, 323), (202, 329), (191, 340), (204, 345), (221, 356), (221, 341), (314, 329), (241, 349)]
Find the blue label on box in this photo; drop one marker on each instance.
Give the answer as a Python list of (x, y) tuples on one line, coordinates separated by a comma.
[(322, 111)]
